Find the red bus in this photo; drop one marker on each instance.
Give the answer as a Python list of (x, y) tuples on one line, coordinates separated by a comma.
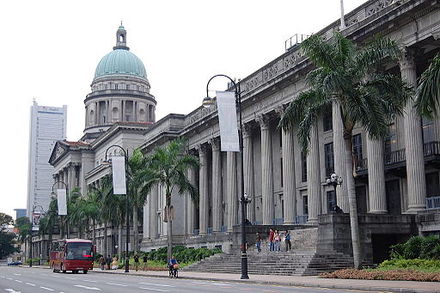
[(72, 255)]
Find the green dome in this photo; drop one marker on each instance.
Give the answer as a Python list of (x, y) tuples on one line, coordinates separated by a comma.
[(120, 61)]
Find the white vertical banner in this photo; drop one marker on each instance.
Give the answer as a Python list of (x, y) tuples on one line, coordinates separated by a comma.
[(227, 117), (118, 167), (36, 221), (62, 202)]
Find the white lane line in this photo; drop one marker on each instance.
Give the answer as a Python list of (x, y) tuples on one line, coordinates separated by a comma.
[(30, 284), (90, 281), (88, 288), (48, 289), (155, 284), (154, 289), (116, 284), (9, 279), (17, 274), (12, 291), (18, 281)]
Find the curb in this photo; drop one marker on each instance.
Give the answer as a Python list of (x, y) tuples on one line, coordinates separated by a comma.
[(263, 282)]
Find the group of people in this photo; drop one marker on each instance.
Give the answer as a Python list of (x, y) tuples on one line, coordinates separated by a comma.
[(110, 263), (274, 239)]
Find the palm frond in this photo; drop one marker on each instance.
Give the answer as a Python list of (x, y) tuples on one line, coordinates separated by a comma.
[(428, 91)]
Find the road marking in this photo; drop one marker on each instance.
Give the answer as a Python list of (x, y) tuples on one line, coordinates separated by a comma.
[(116, 284), (9, 279), (18, 281), (88, 288), (154, 289), (30, 284), (155, 284), (17, 274), (89, 281), (12, 291), (48, 289)]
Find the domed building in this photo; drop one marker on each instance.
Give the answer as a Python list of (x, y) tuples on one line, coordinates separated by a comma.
[(120, 91)]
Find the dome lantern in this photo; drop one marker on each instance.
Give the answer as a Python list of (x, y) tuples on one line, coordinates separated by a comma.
[(121, 38)]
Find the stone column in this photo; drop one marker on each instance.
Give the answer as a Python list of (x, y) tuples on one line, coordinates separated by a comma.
[(415, 163), (203, 190), (153, 212), (248, 171), (339, 153), (216, 186), (145, 220), (376, 176), (71, 176), (289, 183), (231, 189), (191, 209), (313, 178), (266, 171)]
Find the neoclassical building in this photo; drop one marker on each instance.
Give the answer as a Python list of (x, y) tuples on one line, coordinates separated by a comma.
[(397, 179)]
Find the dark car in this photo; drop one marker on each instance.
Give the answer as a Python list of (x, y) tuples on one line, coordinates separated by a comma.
[(15, 263)]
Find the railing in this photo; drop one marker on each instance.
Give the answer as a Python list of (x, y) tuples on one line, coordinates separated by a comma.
[(301, 219), (395, 157), (433, 203), (294, 40), (278, 221), (224, 229), (429, 149), (196, 232), (209, 230)]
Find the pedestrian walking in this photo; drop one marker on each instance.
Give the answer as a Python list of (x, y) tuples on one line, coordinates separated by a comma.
[(277, 240), (271, 243), (145, 260), (136, 261), (108, 261), (258, 242), (287, 241), (102, 262)]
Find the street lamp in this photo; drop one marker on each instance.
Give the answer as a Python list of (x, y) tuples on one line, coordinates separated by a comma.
[(207, 102), (32, 230), (127, 238), (55, 195), (334, 180)]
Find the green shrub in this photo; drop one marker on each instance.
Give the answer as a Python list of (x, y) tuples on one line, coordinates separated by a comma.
[(417, 247), (425, 265), (182, 254)]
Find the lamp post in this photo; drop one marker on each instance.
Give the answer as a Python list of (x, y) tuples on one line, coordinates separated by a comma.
[(207, 102), (334, 180), (34, 207), (127, 219), (54, 194)]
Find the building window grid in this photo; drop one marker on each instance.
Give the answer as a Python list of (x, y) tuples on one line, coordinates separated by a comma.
[(303, 166), (329, 159)]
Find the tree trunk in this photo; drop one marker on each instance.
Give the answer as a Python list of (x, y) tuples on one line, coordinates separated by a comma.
[(120, 242), (94, 232), (135, 230), (169, 227), (354, 225), (105, 240)]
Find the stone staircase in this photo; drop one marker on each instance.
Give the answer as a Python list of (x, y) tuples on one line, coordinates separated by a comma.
[(275, 263)]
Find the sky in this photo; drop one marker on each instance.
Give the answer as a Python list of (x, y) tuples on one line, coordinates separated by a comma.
[(49, 51)]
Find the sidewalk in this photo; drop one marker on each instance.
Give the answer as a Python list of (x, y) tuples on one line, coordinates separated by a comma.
[(302, 281)]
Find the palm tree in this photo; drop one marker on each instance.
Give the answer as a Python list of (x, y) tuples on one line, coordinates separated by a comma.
[(137, 178), (167, 167), (48, 222), (349, 76), (428, 91)]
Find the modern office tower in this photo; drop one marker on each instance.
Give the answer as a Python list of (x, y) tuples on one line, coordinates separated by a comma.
[(47, 125)]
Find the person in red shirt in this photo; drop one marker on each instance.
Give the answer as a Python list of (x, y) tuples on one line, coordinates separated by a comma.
[(271, 240)]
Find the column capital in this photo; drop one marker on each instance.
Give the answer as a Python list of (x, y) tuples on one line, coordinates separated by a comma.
[(406, 60), (202, 149), (247, 130), (215, 143), (264, 121), (280, 109)]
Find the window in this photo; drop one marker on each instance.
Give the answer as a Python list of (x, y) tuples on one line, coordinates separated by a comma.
[(303, 167), (427, 130), (390, 140), (357, 148), (329, 161), (305, 205), (327, 122), (282, 175), (432, 184), (331, 200)]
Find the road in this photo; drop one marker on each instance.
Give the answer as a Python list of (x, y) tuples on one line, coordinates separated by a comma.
[(36, 280)]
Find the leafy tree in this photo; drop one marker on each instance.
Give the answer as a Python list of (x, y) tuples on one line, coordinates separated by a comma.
[(7, 241), (5, 220), (428, 91), (167, 166), (351, 77)]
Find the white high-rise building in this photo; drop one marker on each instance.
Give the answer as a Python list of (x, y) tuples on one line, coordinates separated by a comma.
[(48, 124)]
